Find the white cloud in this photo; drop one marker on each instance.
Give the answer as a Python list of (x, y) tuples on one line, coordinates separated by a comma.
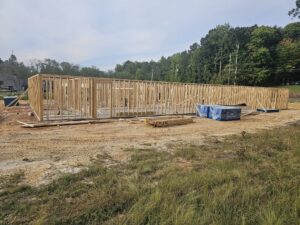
[(106, 32)]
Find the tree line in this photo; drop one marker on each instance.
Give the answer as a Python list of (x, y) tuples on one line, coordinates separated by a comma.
[(256, 55), (11, 66)]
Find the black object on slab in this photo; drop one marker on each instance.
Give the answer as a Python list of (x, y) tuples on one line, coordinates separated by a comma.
[(268, 110), (10, 101)]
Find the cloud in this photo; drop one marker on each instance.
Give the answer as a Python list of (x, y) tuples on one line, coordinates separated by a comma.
[(104, 32)]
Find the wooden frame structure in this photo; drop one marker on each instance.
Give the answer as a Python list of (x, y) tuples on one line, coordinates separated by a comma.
[(55, 97)]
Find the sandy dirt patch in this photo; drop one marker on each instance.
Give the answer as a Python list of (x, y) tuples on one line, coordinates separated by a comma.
[(46, 153)]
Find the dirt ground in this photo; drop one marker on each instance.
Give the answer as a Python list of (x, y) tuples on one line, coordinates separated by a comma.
[(46, 153)]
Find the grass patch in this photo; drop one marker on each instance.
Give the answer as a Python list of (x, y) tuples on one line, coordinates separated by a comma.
[(3, 94), (292, 88), (243, 179)]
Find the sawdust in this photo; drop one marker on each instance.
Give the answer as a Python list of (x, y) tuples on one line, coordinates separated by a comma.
[(46, 153)]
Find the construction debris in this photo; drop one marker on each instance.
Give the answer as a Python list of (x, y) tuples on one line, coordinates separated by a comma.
[(64, 123), (134, 114), (168, 121), (249, 112)]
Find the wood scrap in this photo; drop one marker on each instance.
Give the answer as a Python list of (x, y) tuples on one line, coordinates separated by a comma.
[(134, 114), (250, 113), (25, 124), (169, 121), (64, 123)]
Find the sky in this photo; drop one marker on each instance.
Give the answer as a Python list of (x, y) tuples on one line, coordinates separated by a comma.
[(104, 33)]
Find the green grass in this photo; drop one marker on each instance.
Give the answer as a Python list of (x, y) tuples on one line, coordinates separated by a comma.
[(8, 93), (3, 94), (293, 88), (243, 179)]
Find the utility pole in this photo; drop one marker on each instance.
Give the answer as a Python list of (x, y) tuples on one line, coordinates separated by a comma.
[(176, 72), (220, 68), (152, 74), (229, 76), (204, 74), (215, 61), (236, 62)]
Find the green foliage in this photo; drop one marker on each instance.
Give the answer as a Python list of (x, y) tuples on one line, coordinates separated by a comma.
[(295, 12), (292, 31), (265, 37), (289, 59), (227, 55), (46, 66), (13, 67)]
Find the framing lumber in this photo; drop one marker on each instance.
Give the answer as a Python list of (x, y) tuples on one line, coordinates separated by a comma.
[(55, 97), (66, 123)]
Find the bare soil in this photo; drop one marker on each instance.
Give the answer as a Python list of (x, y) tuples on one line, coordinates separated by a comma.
[(45, 153)]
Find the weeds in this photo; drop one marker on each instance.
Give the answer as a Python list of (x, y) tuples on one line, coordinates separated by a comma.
[(246, 179)]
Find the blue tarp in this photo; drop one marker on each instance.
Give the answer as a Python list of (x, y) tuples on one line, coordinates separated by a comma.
[(225, 113), (203, 110), (219, 112), (10, 100)]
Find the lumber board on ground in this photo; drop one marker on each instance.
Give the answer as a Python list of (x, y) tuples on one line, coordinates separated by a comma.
[(134, 114), (65, 123), (166, 122)]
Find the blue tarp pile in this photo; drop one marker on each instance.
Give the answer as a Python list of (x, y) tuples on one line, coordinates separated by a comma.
[(219, 112), (203, 110)]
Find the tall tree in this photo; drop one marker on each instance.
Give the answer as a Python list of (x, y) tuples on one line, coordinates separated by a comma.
[(262, 47), (295, 12)]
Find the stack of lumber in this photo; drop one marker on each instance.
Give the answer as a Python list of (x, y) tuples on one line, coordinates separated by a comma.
[(168, 121)]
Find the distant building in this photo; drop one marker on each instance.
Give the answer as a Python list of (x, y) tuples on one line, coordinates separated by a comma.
[(12, 83)]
